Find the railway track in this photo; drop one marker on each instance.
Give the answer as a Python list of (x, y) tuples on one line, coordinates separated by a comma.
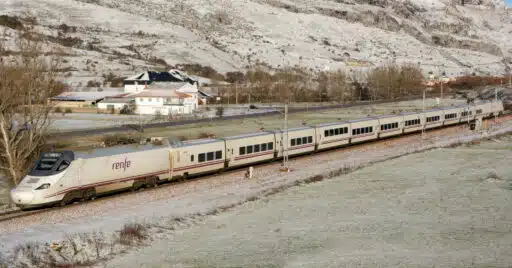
[(8, 215)]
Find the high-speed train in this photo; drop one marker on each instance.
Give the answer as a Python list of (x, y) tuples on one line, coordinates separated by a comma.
[(63, 177)]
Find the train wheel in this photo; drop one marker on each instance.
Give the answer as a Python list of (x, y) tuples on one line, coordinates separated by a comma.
[(89, 194), (151, 182)]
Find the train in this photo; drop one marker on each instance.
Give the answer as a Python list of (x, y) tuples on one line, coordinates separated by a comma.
[(61, 178)]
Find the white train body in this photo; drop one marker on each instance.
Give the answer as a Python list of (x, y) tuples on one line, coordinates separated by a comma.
[(66, 176), (332, 135), (250, 148)]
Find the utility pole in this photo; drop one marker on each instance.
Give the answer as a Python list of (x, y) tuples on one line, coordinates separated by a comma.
[(236, 94), (285, 147)]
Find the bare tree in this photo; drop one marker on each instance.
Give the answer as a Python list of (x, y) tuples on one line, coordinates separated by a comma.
[(27, 82)]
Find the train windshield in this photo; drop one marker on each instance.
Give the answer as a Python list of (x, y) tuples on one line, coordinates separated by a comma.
[(51, 163), (46, 163)]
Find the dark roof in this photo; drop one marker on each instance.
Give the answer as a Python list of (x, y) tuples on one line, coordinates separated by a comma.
[(152, 76)]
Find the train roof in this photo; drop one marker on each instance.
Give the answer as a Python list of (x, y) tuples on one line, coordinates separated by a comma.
[(181, 144), (387, 116), (369, 118), (298, 128), (409, 113), (248, 135), (332, 124), (124, 149)]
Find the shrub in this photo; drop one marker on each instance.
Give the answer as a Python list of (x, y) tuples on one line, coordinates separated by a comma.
[(114, 80), (57, 110), (206, 135), (92, 83), (133, 233), (127, 109), (11, 22), (219, 111), (68, 110), (120, 139)]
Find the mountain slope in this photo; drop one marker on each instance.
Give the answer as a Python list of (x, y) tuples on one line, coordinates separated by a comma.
[(124, 36)]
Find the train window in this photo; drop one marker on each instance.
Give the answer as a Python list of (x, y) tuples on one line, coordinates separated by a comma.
[(241, 150), (310, 139), (270, 145), (257, 148), (63, 165), (326, 133), (201, 157), (263, 147), (479, 111), (293, 142), (218, 154), (337, 131), (331, 132), (383, 127), (299, 141), (353, 132), (358, 131), (304, 140), (371, 129), (346, 130), (192, 158), (249, 149), (209, 156)]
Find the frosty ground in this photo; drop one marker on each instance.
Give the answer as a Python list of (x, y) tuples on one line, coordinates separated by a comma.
[(445, 208)]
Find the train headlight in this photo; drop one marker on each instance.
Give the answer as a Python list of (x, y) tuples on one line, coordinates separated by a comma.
[(43, 186)]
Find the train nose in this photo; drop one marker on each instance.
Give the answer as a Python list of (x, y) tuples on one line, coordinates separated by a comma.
[(22, 197)]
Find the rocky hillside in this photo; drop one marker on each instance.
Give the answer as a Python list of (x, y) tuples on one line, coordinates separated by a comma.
[(124, 36)]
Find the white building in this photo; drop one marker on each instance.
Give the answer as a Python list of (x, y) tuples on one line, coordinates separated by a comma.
[(165, 102)]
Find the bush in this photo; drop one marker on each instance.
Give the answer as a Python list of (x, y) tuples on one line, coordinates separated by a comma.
[(127, 109), (68, 110), (114, 80), (120, 139), (219, 111), (57, 110), (11, 22), (132, 233), (92, 83), (206, 135)]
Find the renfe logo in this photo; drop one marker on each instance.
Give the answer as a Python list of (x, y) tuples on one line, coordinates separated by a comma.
[(122, 165)]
